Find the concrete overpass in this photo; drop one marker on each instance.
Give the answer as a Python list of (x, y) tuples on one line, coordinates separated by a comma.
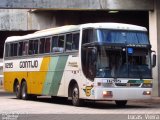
[(18, 17)]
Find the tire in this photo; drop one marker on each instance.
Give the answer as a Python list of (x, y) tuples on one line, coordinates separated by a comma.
[(121, 103), (75, 96), (17, 90), (24, 93)]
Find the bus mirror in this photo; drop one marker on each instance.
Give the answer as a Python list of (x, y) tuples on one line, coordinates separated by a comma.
[(153, 60)]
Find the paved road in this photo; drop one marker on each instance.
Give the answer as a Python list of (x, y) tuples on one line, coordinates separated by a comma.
[(45, 105)]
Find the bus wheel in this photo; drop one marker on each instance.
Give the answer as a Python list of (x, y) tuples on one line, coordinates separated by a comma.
[(17, 90), (121, 103), (24, 91), (75, 96)]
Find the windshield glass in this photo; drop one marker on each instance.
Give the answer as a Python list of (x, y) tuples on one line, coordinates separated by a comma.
[(122, 36), (123, 62)]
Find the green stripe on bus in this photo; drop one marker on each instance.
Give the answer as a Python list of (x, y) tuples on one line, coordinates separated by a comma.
[(50, 74), (54, 75), (136, 81)]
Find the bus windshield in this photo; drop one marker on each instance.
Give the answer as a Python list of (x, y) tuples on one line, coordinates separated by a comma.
[(122, 36), (123, 63)]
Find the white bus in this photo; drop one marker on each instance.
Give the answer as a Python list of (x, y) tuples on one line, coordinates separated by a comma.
[(94, 61)]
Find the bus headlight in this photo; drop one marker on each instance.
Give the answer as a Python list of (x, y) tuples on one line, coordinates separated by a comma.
[(107, 94), (147, 93), (147, 85)]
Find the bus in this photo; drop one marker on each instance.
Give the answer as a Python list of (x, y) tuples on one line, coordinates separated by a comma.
[(93, 61)]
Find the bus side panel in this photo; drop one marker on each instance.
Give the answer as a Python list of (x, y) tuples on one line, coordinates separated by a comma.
[(53, 84), (9, 78), (37, 78)]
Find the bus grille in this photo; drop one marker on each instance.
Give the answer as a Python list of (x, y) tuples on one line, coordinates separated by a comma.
[(128, 84)]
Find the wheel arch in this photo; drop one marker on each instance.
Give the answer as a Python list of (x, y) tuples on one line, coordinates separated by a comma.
[(70, 87)]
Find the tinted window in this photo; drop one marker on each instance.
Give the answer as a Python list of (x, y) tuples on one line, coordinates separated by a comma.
[(20, 48), (25, 48), (47, 45), (13, 49), (129, 37), (69, 42), (7, 50), (42, 45), (58, 43), (88, 36), (33, 47), (72, 41), (75, 44)]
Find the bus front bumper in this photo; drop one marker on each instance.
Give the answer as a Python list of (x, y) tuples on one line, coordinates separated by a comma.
[(122, 93)]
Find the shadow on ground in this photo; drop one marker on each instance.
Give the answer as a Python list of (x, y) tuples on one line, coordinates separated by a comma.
[(93, 104)]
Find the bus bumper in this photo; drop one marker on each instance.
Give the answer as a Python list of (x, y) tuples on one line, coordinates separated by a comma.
[(122, 93)]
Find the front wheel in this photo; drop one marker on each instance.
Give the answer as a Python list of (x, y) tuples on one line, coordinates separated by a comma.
[(75, 96), (121, 103)]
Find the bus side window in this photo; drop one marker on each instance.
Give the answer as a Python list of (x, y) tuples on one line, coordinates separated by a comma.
[(35, 47), (20, 48), (47, 45), (61, 43), (58, 43), (75, 44), (25, 48), (87, 36), (54, 44), (31, 47), (42, 45), (7, 50), (14, 49), (69, 42)]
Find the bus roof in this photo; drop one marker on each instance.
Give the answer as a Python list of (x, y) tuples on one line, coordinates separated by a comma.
[(71, 28)]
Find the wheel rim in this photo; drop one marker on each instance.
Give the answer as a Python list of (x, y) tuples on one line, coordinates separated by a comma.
[(17, 90), (23, 91), (75, 95)]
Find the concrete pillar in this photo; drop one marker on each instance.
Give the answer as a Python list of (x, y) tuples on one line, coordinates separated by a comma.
[(41, 20), (154, 33)]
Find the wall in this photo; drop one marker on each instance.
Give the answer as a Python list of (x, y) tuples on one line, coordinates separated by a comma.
[(154, 27)]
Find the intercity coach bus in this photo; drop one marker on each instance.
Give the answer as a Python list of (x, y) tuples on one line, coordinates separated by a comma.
[(94, 61)]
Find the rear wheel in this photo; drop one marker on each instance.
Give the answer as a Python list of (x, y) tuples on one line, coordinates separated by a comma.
[(75, 96), (24, 93), (17, 90), (121, 103)]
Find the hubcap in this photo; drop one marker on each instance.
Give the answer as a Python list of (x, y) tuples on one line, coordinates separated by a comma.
[(23, 92), (17, 89), (75, 95)]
